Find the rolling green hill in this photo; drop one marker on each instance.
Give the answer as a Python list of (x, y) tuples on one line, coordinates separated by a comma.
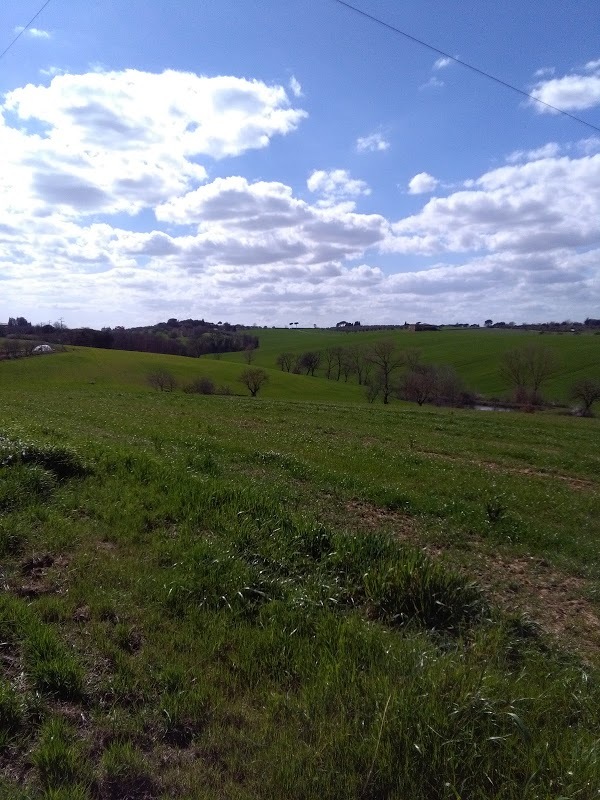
[(292, 596), (476, 354)]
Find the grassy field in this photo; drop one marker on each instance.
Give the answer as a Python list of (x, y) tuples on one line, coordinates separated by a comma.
[(476, 355), (297, 595)]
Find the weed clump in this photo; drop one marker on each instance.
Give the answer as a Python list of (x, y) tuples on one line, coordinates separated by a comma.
[(125, 773), (11, 712), (62, 462), (57, 756)]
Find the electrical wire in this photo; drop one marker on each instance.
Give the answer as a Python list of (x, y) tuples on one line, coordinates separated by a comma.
[(462, 63), (20, 33)]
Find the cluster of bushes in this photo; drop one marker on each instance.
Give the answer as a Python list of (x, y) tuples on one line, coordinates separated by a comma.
[(164, 381), (205, 385)]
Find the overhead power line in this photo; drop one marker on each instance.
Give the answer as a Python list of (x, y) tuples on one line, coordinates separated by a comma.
[(20, 33), (462, 63)]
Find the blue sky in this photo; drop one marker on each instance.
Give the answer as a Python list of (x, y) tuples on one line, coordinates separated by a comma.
[(263, 162)]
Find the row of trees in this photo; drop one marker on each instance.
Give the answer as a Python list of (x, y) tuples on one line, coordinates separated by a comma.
[(387, 372), (377, 367)]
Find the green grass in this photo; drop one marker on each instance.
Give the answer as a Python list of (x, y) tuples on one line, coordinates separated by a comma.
[(476, 354), (256, 598)]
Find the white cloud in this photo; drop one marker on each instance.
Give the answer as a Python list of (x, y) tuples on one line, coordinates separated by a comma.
[(442, 62), (432, 83), (423, 183), (34, 33), (373, 143), (108, 142), (550, 150), (295, 86), (534, 208), (50, 72), (571, 92), (336, 185), (523, 237), (544, 72)]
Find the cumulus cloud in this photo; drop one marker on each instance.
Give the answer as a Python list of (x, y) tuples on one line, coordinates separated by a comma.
[(536, 207), (423, 183), (373, 143), (336, 185), (84, 149), (34, 33), (573, 92), (442, 62), (108, 142), (549, 150)]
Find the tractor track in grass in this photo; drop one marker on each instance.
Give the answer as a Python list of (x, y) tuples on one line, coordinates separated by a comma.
[(494, 466)]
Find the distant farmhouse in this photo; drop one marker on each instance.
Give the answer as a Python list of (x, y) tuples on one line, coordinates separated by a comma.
[(423, 326)]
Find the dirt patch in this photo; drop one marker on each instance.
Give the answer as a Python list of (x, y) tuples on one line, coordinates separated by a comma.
[(10, 661), (371, 517), (105, 546), (37, 564), (139, 787), (44, 574), (554, 600)]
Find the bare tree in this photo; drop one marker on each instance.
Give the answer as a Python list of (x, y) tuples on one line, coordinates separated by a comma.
[(162, 380), (356, 356), (372, 388), (347, 365), (254, 379), (329, 358), (310, 361), (586, 391), (386, 360), (249, 354), (419, 384), (527, 368), (338, 360), (285, 361)]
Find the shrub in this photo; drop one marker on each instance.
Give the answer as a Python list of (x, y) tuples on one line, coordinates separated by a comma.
[(200, 386), (426, 383), (254, 379), (162, 380), (587, 392)]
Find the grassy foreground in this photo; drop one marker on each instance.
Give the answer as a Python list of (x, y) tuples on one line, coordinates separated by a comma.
[(225, 597)]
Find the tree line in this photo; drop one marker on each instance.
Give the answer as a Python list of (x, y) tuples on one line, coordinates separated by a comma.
[(384, 371), (388, 373), (190, 337)]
